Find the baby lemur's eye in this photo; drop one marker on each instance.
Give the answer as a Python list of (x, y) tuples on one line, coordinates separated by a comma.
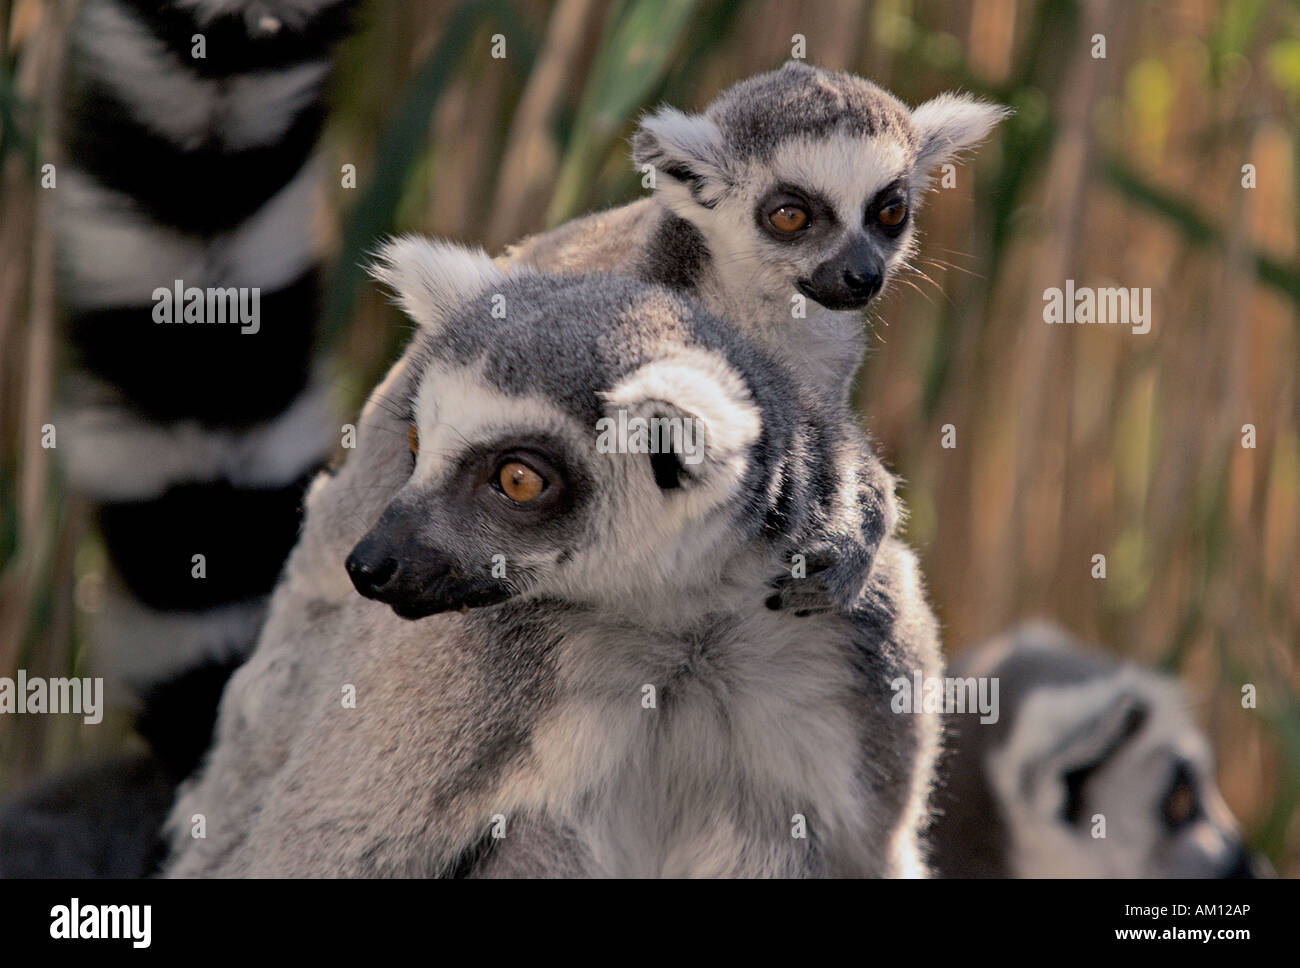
[(413, 438), (893, 216), (520, 482), (788, 218)]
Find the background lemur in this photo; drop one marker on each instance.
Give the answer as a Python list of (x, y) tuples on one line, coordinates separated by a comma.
[(800, 182), (188, 439), (1078, 735), (622, 572)]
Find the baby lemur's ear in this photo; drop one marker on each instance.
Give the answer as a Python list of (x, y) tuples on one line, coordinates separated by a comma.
[(949, 124), (431, 278), (688, 148), (697, 416)]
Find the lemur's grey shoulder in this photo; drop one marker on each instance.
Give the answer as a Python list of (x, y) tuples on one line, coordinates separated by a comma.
[(896, 635)]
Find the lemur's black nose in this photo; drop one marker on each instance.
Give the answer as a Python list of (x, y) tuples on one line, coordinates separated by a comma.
[(1243, 864), (399, 564), (862, 281), (370, 568), (849, 279)]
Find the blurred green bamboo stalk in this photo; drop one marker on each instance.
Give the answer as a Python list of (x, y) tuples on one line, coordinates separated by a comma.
[(403, 142), (531, 156), (634, 57)]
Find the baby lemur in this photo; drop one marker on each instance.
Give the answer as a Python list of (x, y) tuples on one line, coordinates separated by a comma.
[(626, 706), (785, 207)]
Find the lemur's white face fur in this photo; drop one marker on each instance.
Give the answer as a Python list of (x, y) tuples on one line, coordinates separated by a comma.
[(806, 180), (509, 493)]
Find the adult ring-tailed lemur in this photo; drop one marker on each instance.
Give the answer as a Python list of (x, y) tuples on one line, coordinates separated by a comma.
[(562, 663)]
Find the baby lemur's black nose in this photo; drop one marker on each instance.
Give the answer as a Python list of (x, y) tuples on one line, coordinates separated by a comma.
[(849, 279), (863, 281), (371, 568)]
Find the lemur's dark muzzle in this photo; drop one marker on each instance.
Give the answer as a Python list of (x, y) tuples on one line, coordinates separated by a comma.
[(1244, 864), (394, 565), (847, 280)]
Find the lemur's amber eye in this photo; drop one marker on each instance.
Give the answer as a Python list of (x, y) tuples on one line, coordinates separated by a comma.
[(892, 216), (788, 218), (413, 438), (520, 482), (1180, 805)]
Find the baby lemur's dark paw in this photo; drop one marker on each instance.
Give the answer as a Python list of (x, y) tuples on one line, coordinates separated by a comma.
[(817, 582)]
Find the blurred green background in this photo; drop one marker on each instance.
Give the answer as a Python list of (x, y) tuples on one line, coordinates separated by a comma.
[(1125, 170)]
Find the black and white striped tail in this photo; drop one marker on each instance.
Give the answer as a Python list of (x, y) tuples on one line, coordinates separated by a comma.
[(192, 438)]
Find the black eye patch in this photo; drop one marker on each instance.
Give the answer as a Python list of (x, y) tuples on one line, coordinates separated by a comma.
[(667, 471), (891, 196), (1076, 780), (821, 215), (894, 191), (474, 487), (1181, 804), (413, 433)]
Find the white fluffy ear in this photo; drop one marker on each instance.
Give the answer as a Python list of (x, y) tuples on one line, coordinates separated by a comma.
[(430, 278), (950, 124), (715, 417), (688, 148)]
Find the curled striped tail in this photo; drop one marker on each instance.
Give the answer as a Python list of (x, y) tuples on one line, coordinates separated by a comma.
[(190, 278)]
